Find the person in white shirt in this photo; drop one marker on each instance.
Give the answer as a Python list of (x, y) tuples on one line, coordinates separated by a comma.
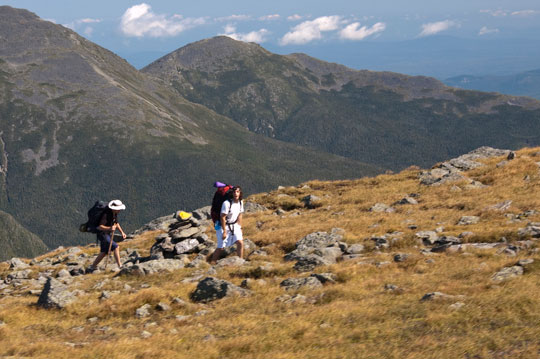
[(230, 231)]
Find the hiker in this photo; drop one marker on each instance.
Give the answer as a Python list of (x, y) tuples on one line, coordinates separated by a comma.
[(229, 226), (108, 224)]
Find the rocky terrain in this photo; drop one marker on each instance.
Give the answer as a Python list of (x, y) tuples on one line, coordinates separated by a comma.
[(379, 264)]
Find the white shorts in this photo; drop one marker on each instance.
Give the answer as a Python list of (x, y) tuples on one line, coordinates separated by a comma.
[(231, 238)]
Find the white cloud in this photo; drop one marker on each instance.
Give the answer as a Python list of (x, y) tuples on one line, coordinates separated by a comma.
[(525, 13), (88, 21), (229, 29), (355, 32), (294, 17), (234, 18), (270, 17), (484, 31), (433, 28), (495, 13), (310, 30), (140, 21), (253, 36), (77, 23)]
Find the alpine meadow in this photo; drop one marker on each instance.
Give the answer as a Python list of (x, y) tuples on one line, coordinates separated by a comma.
[(383, 215)]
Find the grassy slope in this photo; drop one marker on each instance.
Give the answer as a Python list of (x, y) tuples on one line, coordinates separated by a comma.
[(16, 241), (355, 318)]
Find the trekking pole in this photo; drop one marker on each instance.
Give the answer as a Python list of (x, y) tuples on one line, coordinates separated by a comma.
[(110, 246)]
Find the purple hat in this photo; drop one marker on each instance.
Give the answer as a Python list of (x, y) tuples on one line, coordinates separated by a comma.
[(219, 184)]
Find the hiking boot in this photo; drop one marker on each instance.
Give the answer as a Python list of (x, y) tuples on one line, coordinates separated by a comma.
[(90, 270)]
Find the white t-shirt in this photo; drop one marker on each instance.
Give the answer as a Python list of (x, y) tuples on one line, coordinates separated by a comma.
[(232, 210)]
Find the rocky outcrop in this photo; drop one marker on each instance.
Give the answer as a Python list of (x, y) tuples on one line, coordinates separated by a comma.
[(451, 171), (55, 295), (210, 289)]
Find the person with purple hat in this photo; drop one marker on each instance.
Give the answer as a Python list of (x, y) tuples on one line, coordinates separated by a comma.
[(229, 226)]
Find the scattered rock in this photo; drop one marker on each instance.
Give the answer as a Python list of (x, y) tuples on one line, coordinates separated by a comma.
[(325, 278), (301, 283), (406, 200), (468, 220), (507, 273), (55, 295), (17, 263), (456, 306), (143, 311), (309, 262), (355, 249), (163, 307), (401, 257), (428, 237), (381, 207), (312, 201), (252, 207), (234, 261), (210, 289), (435, 296), (153, 266)]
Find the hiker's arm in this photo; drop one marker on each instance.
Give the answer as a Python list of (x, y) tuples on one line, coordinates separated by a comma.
[(102, 225), (239, 220), (223, 220), (121, 230)]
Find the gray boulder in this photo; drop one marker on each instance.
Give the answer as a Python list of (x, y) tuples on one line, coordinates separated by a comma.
[(17, 263), (310, 262), (252, 207), (437, 296), (381, 207), (532, 230), (406, 200), (202, 214), (355, 249), (153, 266), (325, 278), (185, 233), (427, 237), (294, 284), (507, 273), (468, 220), (312, 242), (55, 295), (233, 261), (210, 289), (143, 311), (312, 201), (187, 246)]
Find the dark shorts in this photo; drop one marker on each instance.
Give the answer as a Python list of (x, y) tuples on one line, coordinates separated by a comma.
[(104, 242)]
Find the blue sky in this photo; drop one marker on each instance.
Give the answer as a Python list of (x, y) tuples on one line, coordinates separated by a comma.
[(338, 30)]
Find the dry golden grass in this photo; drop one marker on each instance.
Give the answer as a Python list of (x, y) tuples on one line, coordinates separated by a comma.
[(354, 318)]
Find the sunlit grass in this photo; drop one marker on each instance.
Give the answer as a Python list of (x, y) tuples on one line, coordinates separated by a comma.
[(354, 318)]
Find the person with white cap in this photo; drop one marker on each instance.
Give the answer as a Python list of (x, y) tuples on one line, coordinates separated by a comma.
[(107, 226)]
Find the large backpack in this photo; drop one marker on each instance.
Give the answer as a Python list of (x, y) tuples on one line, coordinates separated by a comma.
[(222, 194), (94, 216)]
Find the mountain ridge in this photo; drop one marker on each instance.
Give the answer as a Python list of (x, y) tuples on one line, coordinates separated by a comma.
[(80, 124), (383, 118)]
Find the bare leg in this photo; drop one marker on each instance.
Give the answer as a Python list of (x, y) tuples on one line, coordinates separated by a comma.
[(98, 259), (216, 255), (117, 256), (240, 249)]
